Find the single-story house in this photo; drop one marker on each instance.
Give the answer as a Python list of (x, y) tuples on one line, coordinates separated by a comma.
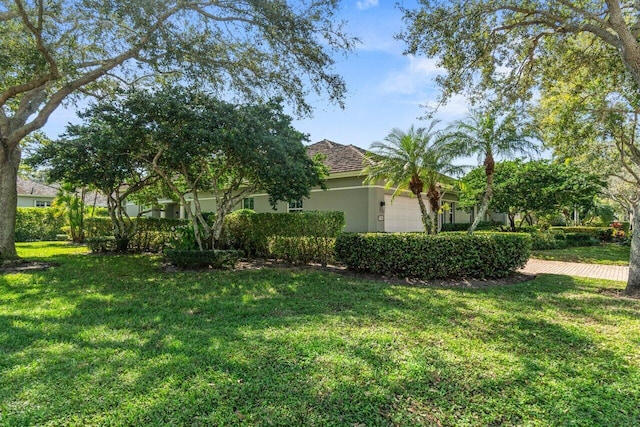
[(367, 207), (32, 194)]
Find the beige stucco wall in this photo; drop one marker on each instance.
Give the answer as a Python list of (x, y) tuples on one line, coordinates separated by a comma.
[(27, 201)]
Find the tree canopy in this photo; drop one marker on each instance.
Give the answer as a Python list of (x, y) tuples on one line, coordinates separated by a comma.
[(55, 51), (514, 49), (412, 161), (538, 187), (196, 142)]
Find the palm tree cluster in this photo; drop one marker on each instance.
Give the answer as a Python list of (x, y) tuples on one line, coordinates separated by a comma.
[(420, 159)]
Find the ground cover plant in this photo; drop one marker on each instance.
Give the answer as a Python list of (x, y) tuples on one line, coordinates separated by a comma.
[(115, 340), (608, 254)]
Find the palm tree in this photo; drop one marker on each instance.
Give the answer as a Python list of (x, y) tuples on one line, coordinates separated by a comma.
[(486, 134), (412, 161)]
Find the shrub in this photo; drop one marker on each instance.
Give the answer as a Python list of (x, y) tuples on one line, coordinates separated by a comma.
[(603, 234), (484, 255), (545, 240), (37, 224), (201, 259), (303, 250), (97, 227), (309, 235), (482, 225), (152, 234), (101, 244)]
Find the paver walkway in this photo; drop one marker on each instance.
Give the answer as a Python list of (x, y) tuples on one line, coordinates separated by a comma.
[(595, 271)]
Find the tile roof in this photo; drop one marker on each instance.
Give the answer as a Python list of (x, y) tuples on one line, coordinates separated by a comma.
[(339, 157), (27, 187)]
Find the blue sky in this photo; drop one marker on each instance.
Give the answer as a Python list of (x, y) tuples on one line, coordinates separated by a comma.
[(386, 89)]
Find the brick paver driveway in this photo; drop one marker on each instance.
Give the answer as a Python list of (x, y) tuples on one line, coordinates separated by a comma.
[(595, 271)]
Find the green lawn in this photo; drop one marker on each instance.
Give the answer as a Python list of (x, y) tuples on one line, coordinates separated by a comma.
[(610, 253), (113, 340)]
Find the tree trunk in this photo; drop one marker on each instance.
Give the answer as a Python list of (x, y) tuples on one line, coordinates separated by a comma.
[(484, 205), (9, 162), (633, 282), (512, 222), (427, 221)]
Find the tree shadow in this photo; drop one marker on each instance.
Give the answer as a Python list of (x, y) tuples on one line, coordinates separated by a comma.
[(116, 341)]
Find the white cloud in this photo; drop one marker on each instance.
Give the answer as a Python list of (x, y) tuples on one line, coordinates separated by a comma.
[(366, 4), (414, 78)]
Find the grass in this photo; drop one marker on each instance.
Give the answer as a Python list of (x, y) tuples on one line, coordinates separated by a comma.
[(608, 253), (113, 340)]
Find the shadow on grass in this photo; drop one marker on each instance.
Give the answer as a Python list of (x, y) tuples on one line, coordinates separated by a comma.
[(112, 340)]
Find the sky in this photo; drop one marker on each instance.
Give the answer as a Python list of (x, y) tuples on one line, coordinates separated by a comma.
[(385, 89)]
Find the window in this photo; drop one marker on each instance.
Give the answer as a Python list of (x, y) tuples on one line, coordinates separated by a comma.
[(295, 206), (247, 203), (43, 204), (452, 213)]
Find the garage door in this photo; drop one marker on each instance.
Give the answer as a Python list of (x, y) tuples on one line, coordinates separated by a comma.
[(403, 214)]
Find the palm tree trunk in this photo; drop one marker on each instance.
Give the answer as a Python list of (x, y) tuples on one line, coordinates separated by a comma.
[(489, 165), (427, 220)]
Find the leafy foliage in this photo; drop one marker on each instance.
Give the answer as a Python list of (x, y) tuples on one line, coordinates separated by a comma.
[(300, 237), (38, 224), (537, 187), (488, 134), (198, 143), (57, 51), (412, 161), (427, 257), (151, 234)]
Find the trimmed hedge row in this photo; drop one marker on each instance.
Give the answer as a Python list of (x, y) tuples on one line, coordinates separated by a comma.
[(300, 237), (604, 234), (152, 234), (482, 225), (38, 224), (444, 256)]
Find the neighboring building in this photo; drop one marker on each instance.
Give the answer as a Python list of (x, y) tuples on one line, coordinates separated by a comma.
[(32, 194), (367, 207)]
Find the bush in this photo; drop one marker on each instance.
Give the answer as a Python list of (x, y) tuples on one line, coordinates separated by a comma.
[(299, 237), (485, 255), (482, 225), (545, 240), (302, 250), (37, 224), (201, 259), (101, 244), (151, 235), (603, 234)]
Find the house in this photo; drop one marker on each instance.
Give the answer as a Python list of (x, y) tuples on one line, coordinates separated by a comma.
[(32, 194), (367, 207)]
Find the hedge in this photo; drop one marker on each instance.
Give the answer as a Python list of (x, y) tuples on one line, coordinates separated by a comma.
[(604, 234), (37, 224), (482, 225), (299, 237), (444, 256), (151, 235)]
